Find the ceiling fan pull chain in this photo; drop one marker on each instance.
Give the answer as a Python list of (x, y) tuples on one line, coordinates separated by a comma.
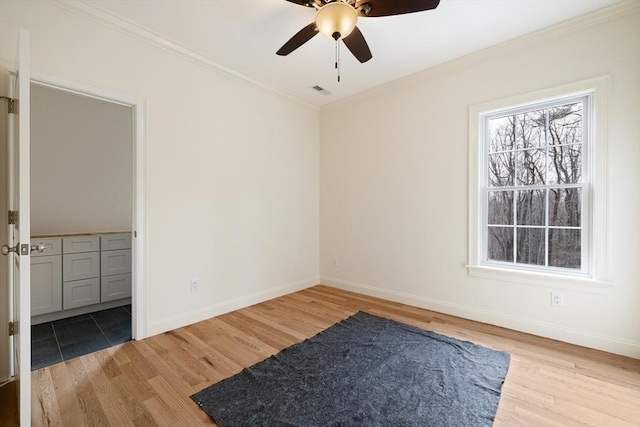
[(338, 58)]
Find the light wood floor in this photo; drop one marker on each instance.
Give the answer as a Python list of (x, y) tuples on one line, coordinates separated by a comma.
[(149, 382)]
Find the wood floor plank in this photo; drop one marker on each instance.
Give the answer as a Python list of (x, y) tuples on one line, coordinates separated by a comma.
[(247, 340), (513, 415), (132, 401), (255, 313), (221, 364), (184, 409), (110, 400), (162, 416), (149, 382), (44, 402), (270, 335), (234, 347), (68, 404), (88, 400), (109, 365)]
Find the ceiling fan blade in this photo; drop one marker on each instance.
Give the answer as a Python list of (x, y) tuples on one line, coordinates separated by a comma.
[(395, 7), (301, 37), (358, 45), (308, 3)]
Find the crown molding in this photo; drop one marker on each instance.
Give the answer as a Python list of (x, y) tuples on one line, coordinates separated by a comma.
[(618, 10), (113, 21), (615, 11)]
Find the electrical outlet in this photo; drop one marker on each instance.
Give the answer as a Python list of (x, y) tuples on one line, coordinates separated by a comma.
[(194, 285), (335, 262), (556, 299)]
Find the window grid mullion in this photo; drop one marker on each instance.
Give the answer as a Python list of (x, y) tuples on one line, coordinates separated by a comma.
[(546, 229), (536, 187), (532, 148), (546, 191), (515, 192), (515, 226), (540, 227)]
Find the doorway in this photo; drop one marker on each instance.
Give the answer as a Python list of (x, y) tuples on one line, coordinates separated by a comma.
[(136, 227), (81, 214)]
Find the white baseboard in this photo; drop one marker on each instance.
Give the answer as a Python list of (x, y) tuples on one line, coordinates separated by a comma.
[(222, 307), (535, 327)]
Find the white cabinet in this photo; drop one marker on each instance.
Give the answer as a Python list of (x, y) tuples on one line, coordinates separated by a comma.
[(115, 287), (80, 270), (80, 293), (51, 247), (115, 266), (80, 266), (115, 262), (46, 278), (115, 241), (79, 244)]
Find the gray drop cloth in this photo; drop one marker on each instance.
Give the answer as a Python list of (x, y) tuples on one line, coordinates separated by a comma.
[(364, 371)]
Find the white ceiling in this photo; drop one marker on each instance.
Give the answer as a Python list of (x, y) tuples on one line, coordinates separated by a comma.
[(245, 34)]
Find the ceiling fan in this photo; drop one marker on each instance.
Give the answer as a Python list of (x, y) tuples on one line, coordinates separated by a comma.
[(337, 19)]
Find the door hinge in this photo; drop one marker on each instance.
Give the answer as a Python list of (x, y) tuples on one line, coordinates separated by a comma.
[(13, 217), (12, 328), (12, 104)]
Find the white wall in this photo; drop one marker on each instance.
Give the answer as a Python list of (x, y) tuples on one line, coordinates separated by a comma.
[(232, 187), (394, 186), (81, 163)]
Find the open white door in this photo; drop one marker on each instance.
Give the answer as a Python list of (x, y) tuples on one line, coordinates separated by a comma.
[(19, 247)]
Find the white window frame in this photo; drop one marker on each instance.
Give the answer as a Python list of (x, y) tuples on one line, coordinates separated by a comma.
[(584, 186), (593, 274)]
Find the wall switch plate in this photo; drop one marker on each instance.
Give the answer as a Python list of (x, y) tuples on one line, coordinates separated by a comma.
[(194, 285), (557, 299), (335, 262)]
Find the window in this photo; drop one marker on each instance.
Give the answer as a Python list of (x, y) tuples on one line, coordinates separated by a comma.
[(537, 187)]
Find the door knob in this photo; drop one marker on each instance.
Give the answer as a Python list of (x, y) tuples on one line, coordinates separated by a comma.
[(39, 247), (7, 249)]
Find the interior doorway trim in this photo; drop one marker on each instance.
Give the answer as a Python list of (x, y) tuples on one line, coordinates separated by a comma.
[(138, 105)]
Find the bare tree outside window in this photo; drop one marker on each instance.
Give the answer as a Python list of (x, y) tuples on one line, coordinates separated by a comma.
[(534, 197)]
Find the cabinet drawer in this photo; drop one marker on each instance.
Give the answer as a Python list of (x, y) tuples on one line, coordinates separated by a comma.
[(51, 247), (46, 284), (115, 262), (80, 293), (115, 287), (80, 266), (78, 244), (112, 242)]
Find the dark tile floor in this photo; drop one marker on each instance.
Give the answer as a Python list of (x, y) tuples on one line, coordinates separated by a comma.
[(65, 339)]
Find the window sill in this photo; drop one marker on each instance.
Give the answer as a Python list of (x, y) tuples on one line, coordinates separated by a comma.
[(570, 283)]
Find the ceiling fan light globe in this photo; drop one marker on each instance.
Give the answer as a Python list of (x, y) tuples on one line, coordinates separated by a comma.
[(336, 17)]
